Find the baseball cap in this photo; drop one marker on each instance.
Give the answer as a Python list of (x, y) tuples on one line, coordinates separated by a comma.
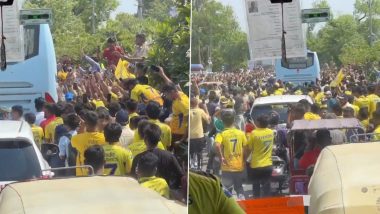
[(122, 117), (69, 97)]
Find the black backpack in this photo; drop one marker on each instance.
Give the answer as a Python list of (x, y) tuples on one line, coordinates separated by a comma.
[(72, 152)]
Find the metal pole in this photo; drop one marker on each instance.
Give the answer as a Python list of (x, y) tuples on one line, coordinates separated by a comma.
[(371, 36), (140, 9), (93, 17)]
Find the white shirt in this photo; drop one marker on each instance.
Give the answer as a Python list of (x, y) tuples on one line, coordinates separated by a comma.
[(63, 145), (40, 116), (126, 136)]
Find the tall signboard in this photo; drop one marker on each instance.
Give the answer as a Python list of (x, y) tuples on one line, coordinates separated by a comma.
[(265, 29)]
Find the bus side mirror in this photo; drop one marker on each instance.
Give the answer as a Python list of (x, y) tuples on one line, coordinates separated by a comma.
[(6, 2)]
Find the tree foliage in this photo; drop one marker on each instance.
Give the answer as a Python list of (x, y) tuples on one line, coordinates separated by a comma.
[(345, 39), (168, 35), (216, 32)]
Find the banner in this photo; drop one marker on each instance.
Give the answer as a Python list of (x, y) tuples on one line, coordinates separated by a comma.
[(265, 29), (122, 71), (14, 33), (283, 205)]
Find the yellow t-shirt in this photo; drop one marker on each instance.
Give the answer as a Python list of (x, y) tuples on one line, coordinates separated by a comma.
[(158, 185), (98, 103), (356, 109), (180, 109), (206, 195), (361, 102), (62, 75), (38, 135), (118, 160), (50, 129), (166, 133), (197, 116), (278, 92), (260, 142), (298, 92), (311, 116), (376, 135), (83, 141), (365, 123), (134, 114), (138, 146), (146, 93), (373, 100), (264, 93), (233, 142), (319, 97)]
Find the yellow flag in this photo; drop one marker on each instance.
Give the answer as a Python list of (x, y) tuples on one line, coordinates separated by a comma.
[(338, 79), (122, 71)]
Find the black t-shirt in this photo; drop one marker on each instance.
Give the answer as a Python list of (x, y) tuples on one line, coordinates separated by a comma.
[(168, 167)]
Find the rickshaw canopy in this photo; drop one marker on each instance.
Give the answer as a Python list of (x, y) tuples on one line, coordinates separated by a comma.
[(97, 194), (346, 180), (343, 123)]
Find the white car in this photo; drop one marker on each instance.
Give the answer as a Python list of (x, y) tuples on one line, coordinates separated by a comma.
[(279, 103), (20, 158)]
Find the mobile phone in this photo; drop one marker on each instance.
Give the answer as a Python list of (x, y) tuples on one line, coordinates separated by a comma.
[(155, 68)]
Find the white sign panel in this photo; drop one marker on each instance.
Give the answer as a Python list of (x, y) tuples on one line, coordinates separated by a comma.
[(265, 29), (13, 33)]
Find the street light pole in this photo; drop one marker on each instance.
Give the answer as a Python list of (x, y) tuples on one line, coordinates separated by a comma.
[(93, 17), (371, 34), (140, 9)]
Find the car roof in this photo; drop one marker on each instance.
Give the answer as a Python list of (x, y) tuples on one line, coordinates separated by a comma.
[(96, 194), (15, 129), (343, 123), (210, 83), (278, 99)]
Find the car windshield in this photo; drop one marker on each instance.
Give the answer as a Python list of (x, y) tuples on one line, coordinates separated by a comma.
[(281, 109), (18, 161)]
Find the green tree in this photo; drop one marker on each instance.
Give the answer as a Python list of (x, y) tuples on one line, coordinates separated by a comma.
[(103, 10), (216, 34)]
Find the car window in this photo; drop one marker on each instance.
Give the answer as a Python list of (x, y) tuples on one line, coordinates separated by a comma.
[(281, 109), (18, 161)]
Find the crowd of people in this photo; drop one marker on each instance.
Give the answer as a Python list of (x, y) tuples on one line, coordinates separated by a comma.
[(241, 147), (115, 126)]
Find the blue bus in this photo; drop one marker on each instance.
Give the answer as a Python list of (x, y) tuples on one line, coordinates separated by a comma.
[(299, 70), (34, 77)]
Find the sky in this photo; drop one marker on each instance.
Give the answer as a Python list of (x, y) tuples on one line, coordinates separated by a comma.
[(130, 6), (336, 5)]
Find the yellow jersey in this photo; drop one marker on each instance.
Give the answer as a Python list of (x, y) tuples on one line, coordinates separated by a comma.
[(180, 109), (260, 142), (118, 160), (311, 116), (365, 124), (38, 135), (319, 97), (166, 133), (158, 185), (233, 142), (146, 93), (62, 75), (83, 141), (138, 146), (376, 133), (356, 109), (98, 103), (278, 92), (197, 116), (206, 195), (50, 129), (373, 100), (361, 102)]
